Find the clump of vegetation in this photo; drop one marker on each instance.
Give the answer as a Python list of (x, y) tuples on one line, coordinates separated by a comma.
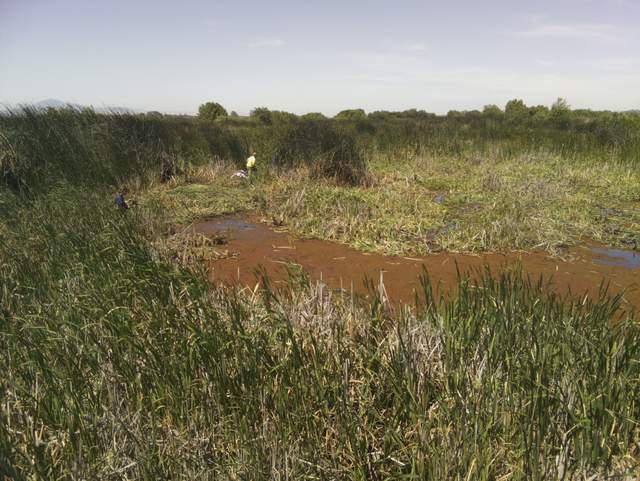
[(264, 116), (328, 152), (211, 111), (351, 114)]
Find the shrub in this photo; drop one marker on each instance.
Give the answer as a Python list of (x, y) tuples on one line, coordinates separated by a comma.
[(313, 116), (330, 152), (211, 111), (351, 114)]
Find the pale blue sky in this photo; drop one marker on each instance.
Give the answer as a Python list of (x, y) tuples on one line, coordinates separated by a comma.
[(326, 56)]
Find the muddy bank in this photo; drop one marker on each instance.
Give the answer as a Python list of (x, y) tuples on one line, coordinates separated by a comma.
[(254, 244)]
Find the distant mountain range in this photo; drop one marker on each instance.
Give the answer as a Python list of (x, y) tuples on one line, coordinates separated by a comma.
[(59, 104)]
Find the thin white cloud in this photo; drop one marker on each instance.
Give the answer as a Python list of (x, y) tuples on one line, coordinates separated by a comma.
[(267, 43), (536, 18), (619, 64), (543, 63), (211, 25), (374, 78), (621, 3), (385, 61), (585, 31), (415, 47)]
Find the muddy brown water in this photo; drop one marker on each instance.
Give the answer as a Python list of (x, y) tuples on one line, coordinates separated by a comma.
[(254, 244)]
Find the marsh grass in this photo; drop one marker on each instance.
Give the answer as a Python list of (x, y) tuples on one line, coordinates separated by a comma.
[(39, 148), (190, 248), (119, 364)]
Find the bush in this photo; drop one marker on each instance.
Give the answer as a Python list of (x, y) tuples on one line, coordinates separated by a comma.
[(330, 152), (211, 111), (351, 114)]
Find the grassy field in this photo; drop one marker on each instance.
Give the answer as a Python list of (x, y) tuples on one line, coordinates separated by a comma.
[(120, 363)]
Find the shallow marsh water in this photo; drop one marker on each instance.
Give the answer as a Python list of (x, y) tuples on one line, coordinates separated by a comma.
[(256, 245)]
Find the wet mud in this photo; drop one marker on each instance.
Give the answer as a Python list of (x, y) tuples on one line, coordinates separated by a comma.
[(256, 245)]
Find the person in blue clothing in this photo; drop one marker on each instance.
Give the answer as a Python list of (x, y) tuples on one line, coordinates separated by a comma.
[(121, 202)]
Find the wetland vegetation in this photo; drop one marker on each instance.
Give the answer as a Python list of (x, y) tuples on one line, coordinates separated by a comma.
[(120, 359)]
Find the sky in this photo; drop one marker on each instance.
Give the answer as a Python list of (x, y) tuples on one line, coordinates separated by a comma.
[(321, 55)]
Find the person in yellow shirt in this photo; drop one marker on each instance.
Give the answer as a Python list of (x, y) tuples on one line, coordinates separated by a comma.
[(251, 164)]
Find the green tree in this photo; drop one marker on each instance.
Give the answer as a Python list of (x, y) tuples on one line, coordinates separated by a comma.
[(211, 111), (492, 110), (539, 112), (351, 114), (381, 115), (516, 110), (560, 113), (154, 114), (262, 115), (313, 116), (280, 116), (560, 108), (416, 114)]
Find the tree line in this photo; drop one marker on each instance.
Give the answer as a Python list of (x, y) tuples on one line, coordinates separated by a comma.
[(515, 110)]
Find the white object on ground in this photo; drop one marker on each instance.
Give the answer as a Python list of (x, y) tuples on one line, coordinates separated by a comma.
[(240, 174)]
